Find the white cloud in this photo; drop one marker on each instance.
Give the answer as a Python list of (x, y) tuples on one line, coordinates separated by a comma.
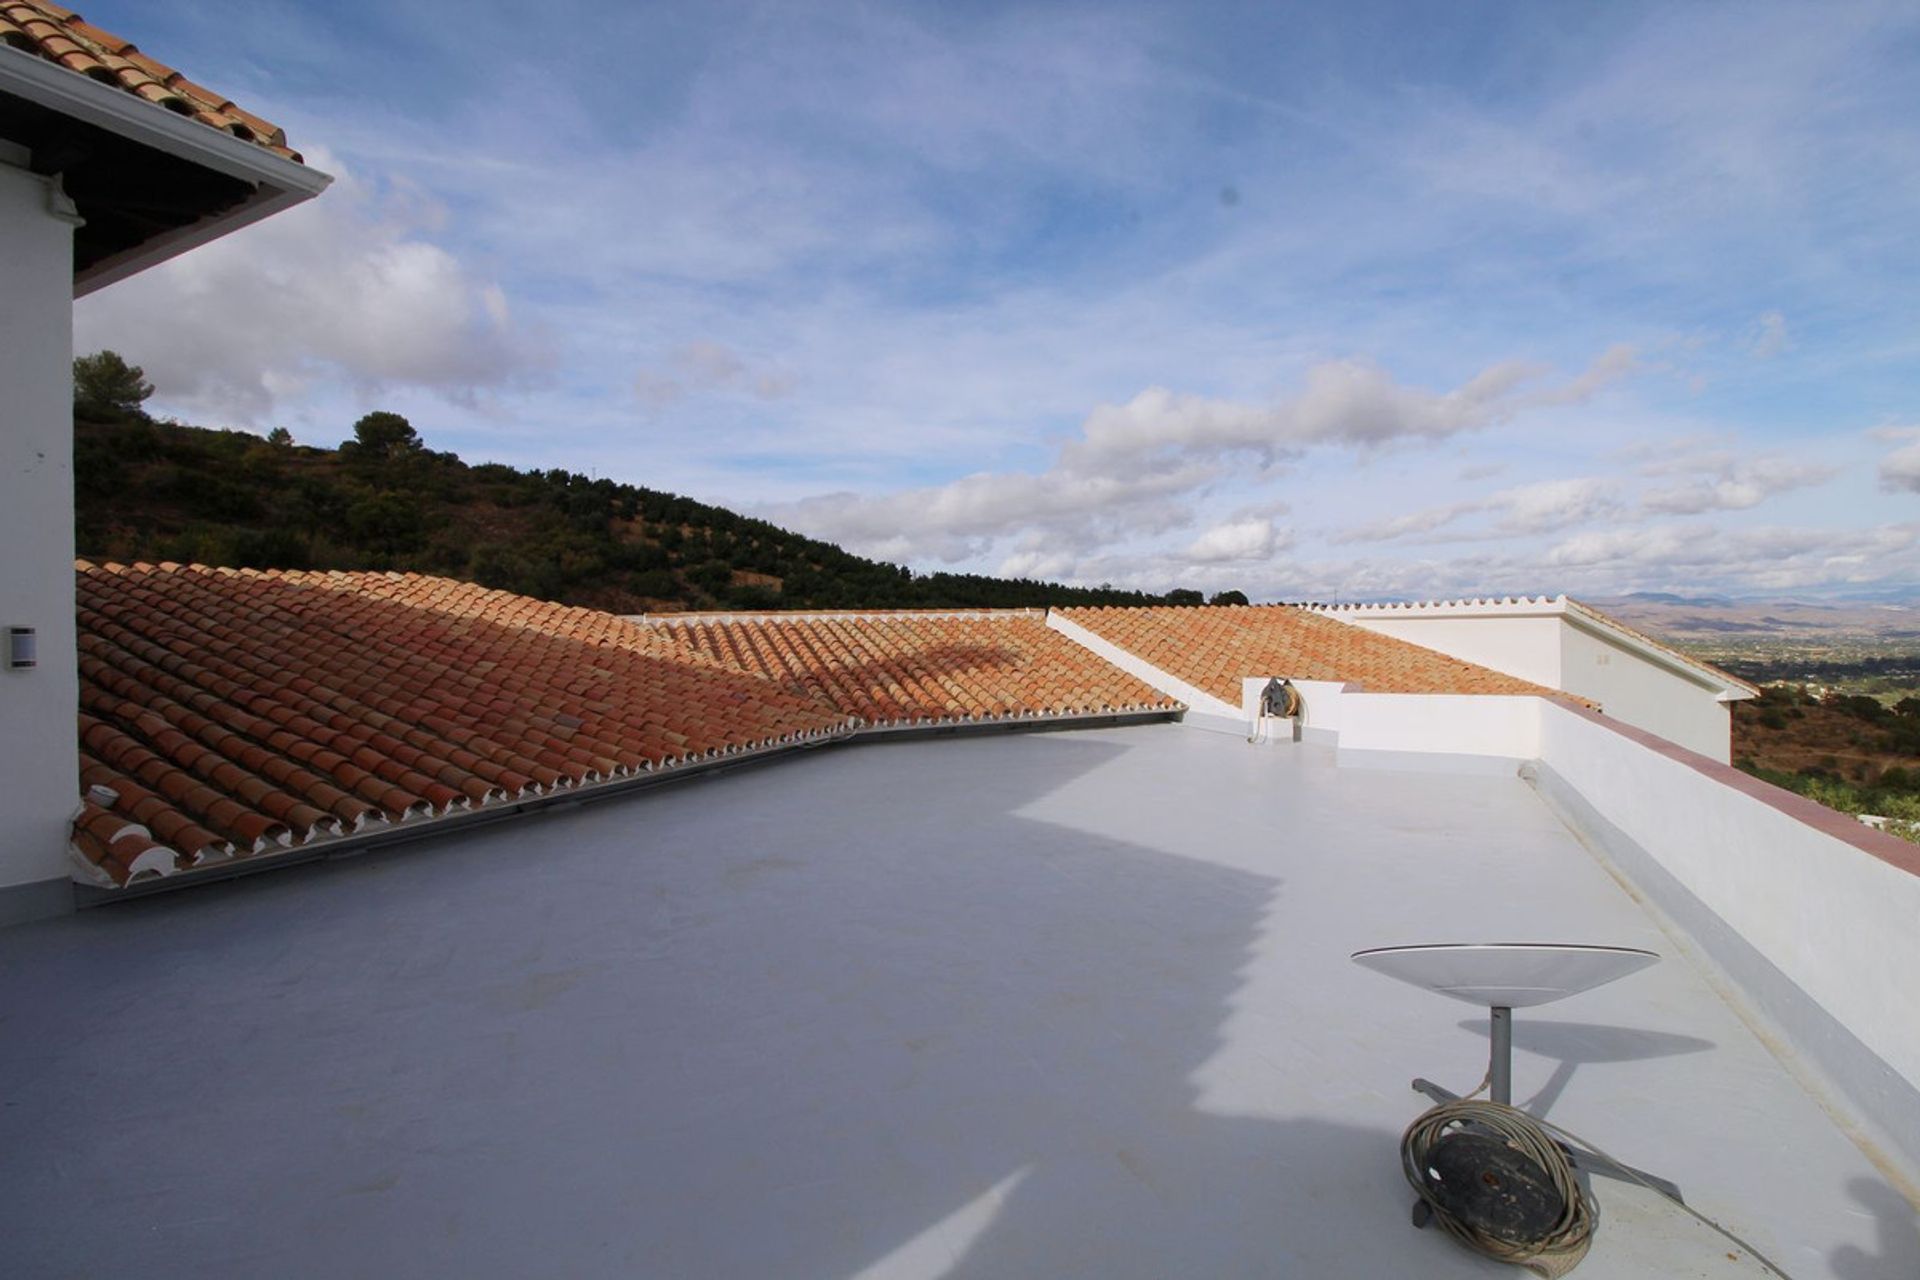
[(1135, 469), (965, 518), (346, 288), (1764, 558), (707, 366), (1736, 485), (1900, 470), (1540, 507), (1554, 504), (1237, 540), (1351, 403), (1769, 335)]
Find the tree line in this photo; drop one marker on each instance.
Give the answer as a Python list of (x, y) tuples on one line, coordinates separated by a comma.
[(152, 490)]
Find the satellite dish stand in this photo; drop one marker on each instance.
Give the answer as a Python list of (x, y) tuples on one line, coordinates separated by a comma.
[(1501, 977)]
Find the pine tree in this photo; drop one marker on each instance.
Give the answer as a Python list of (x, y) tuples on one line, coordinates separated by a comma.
[(108, 389)]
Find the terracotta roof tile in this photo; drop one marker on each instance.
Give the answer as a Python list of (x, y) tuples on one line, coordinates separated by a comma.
[(228, 713), (62, 37), (225, 713), (908, 668), (1214, 648)]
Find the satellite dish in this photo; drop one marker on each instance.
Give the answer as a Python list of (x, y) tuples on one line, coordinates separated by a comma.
[(1507, 975), (1502, 977)]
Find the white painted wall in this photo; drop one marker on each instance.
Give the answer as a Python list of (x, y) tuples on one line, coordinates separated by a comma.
[(1545, 644), (1523, 646), (1630, 688), (1428, 724), (1456, 724), (1839, 922), (39, 762)]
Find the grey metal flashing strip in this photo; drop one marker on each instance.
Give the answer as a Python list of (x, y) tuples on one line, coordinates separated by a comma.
[(1008, 724), (1810, 1041)]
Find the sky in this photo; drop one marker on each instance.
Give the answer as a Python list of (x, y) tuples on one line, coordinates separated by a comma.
[(1330, 302)]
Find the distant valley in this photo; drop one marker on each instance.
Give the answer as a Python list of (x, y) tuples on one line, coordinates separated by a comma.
[(1776, 638)]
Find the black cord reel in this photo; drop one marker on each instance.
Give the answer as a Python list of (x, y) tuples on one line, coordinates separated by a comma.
[(1497, 1182), (1491, 1188)]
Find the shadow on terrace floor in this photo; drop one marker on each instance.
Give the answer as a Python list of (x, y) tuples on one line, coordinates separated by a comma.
[(834, 1019), (1897, 1252), (1570, 1044), (854, 1014)]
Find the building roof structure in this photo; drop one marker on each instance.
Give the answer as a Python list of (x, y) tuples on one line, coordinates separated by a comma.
[(148, 163), (226, 713), (913, 668), (63, 37), (1056, 1004), (1214, 647), (1574, 611), (1063, 1004)]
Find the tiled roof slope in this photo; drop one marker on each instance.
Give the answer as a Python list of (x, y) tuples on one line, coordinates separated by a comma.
[(910, 668), (226, 712), (1214, 648), (62, 36)]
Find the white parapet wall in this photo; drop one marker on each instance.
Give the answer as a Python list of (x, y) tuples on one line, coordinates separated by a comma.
[(1454, 732), (1814, 917), (1565, 645)]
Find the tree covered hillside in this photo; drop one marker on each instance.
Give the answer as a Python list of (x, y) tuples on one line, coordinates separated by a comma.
[(158, 491)]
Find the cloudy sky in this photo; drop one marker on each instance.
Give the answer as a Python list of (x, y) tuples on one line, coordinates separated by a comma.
[(1330, 301)]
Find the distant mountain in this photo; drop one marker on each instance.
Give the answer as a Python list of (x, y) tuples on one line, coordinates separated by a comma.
[(1663, 597), (164, 491), (1719, 625)]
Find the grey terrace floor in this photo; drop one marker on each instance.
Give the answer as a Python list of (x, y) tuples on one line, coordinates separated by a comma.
[(1042, 1005)]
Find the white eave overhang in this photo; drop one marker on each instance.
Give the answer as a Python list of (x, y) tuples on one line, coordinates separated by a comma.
[(278, 183), (1725, 688)]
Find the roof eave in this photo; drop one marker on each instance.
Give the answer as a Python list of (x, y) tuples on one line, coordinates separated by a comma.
[(1726, 688), (264, 203), (278, 182)]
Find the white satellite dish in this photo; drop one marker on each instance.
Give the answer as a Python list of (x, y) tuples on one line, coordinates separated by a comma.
[(1504, 976)]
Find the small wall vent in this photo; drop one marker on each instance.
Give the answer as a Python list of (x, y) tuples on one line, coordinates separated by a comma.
[(23, 648)]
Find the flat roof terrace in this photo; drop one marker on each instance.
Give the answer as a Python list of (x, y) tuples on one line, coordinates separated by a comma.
[(1058, 1004)]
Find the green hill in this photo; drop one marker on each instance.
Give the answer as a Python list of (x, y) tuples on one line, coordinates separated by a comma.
[(163, 491)]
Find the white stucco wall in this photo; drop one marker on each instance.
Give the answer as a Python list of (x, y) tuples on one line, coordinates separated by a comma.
[(38, 748), (1547, 647), (1440, 725), (1527, 647), (1481, 725), (1841, 923), (1630, 688)]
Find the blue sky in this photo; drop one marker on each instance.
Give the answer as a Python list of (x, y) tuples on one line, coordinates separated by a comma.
[(1310, 301)]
